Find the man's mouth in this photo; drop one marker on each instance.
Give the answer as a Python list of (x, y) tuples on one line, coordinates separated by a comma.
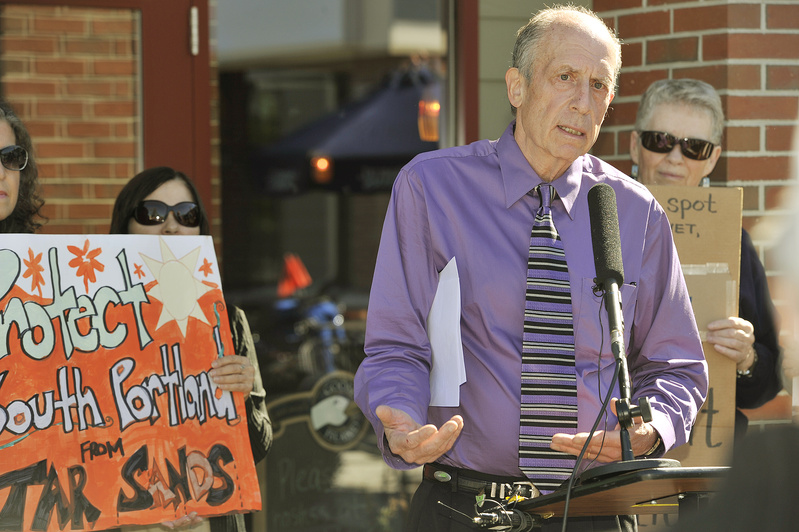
[(571, 131)]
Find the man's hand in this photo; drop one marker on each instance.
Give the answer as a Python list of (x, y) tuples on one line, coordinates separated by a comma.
[(605, 446), (733, 337), (414, 443)]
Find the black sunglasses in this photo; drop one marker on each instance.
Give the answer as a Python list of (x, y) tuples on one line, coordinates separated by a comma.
[(661, 142), (14, 158), (154, 212)]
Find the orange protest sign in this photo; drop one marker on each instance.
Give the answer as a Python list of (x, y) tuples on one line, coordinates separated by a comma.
[(108, 415)]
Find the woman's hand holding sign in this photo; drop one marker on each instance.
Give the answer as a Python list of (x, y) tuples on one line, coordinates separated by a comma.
[(187, 520), (233, 373)]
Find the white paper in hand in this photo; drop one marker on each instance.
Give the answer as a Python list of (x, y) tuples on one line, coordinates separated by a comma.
[(444, 332)]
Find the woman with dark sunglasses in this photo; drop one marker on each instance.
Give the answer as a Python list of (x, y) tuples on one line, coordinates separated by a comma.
[(164, 201), (159, 201), (677, 141), (20, 202), (677, 137)]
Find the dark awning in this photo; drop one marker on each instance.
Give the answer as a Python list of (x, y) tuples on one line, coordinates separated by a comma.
[(367, 141)]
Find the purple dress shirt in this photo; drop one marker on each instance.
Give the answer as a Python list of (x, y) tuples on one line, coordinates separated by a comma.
[(471, 202)]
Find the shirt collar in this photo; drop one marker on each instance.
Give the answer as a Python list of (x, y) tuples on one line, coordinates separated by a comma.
[(519, 178)]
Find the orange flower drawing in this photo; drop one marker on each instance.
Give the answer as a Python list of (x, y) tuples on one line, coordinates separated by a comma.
[(34, 271), (85, 263), (206, 268)]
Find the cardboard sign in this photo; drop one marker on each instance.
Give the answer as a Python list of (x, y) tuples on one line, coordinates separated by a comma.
[(107, 413), (706, 225)]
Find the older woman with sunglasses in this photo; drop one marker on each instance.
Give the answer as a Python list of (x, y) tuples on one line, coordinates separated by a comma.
[(677, 141), (162, 201), (20, 202)]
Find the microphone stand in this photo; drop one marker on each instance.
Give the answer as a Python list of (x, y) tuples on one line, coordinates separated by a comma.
[(624, 410)]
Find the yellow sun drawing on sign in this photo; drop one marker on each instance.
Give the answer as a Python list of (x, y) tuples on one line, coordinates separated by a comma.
[(177, 287)]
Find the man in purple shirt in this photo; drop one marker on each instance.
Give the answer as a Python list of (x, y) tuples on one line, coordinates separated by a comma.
[(471, 203)]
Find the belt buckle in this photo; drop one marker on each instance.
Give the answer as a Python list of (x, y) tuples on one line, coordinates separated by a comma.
[(512, 488), (501, 486), (534, 492)]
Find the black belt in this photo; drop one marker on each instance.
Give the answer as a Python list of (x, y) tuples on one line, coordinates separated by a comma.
[(466, 481)]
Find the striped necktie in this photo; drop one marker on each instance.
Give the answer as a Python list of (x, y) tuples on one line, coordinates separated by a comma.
[(549, 385)]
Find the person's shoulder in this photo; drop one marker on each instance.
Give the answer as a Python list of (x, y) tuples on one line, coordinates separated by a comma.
[(747, 246), (480, 148), (602, 171), (235, 314), (439, 170)]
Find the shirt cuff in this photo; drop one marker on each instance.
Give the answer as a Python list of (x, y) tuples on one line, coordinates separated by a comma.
[(663, 424)]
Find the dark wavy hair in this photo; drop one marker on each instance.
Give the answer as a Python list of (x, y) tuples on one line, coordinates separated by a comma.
[(29, 201), (142, 185)]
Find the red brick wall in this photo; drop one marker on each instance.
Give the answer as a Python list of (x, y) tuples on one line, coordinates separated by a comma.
[(71, 76), (748, 51)]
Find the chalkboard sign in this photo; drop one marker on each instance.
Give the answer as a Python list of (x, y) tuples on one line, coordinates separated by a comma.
[(324, 472)]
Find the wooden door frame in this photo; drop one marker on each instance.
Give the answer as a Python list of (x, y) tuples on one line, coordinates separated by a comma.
[(466, 53), (176, 86)]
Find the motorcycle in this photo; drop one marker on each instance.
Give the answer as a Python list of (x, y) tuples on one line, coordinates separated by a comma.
[(299, 336)]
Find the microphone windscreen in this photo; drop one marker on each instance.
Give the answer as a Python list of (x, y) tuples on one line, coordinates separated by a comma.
[(605, 233)]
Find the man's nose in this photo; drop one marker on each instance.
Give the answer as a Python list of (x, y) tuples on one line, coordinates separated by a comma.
[(581, 99)]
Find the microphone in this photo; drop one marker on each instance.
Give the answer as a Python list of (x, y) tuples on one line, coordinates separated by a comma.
[(604, 218), (605, 234), (511, 520), (606, 241)]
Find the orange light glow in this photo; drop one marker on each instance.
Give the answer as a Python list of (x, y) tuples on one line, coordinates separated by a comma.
[(432, 108), (322, 170), (428, 120), (322, 164)]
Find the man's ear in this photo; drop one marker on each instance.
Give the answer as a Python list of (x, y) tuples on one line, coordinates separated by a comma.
[(515, 85)]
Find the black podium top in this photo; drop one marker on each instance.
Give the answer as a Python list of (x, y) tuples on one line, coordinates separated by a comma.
[(643, 491)]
